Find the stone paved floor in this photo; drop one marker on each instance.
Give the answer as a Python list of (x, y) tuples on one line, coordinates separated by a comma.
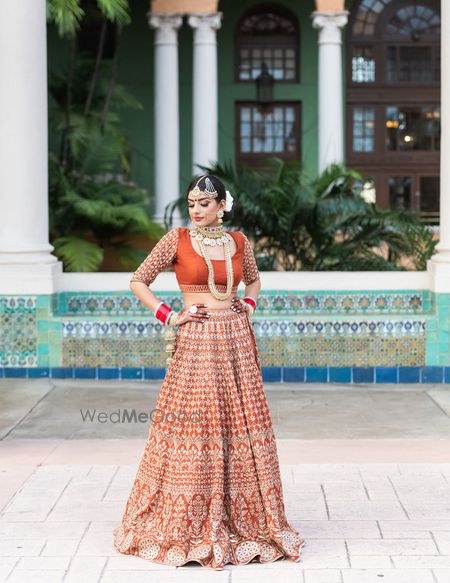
[(366, 476)]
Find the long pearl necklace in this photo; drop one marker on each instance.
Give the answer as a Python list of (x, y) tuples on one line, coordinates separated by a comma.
[(215, 236)]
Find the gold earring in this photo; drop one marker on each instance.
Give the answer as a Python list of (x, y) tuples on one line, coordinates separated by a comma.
[(220, 214)]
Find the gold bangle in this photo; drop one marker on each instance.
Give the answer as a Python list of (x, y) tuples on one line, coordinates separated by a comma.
[(173, 319)]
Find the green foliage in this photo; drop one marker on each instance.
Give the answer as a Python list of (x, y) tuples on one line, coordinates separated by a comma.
[(103, 209), (321, 223), (77, 252), (422, 246), (67, 14), (93, 203)]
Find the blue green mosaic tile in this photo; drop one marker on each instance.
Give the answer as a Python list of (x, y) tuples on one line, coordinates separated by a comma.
[(124, 304), (269, 302), (312, 374), (109, 352), (338, 331), (336, 326), (327, 302), (438, 327), (18, 304), (116, 343), (19, 331)]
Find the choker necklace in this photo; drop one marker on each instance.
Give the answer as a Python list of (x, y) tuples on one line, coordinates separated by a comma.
[(210, 235)]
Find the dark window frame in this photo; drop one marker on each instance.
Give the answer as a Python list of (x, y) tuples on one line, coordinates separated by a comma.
[(381, 155), (379, 43), (258, 159), (382, 163), (243, 41)]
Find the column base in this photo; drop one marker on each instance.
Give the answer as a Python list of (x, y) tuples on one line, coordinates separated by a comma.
[(438, 268), (34, 254), (29, 278)]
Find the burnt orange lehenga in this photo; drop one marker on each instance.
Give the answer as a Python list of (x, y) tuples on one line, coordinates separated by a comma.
[(208, 487)]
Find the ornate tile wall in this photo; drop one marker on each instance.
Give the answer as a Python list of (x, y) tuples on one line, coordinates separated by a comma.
[(19, 337), (270, 302), (124, 304), (438, 332), (405, 328)]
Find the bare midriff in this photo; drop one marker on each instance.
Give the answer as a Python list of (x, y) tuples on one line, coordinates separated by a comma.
[(207, 298)]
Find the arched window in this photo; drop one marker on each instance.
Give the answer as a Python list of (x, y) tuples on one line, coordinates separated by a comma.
[(393, 101), (267, 33), (395, 42)]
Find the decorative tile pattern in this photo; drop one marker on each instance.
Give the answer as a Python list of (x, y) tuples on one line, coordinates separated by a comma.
[(280, 343), (19, 331), (107, 304), (340, 328), (338, 331), (269, 302), (131, 329), (114, 352), (348, 302), (341, 342)]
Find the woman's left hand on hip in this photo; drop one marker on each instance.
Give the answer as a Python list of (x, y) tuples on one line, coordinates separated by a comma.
[(238, 304)]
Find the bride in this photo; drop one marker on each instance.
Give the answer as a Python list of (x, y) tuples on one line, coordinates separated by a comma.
[(208, 487)]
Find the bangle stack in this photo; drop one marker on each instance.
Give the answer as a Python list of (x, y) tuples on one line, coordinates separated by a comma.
[(251, 302), (163, 312), (169, 318)]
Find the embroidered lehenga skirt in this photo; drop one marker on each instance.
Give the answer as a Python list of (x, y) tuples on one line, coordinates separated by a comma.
[(208, 487)]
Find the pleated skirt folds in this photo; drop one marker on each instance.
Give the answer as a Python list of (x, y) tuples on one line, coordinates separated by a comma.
[(208, 487)]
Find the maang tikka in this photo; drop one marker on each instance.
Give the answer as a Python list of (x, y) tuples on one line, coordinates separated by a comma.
[(209, 190)]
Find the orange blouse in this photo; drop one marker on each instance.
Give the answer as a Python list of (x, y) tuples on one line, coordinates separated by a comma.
[(175, 248)]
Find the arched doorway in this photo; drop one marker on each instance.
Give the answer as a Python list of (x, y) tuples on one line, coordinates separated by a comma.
[(393, 101)]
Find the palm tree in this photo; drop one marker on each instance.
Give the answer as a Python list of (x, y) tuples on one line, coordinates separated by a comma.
[(323, 223)]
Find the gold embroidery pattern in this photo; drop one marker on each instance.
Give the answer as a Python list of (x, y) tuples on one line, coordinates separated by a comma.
[(160, 257), (250, 272), (208, 487), (187, 287)]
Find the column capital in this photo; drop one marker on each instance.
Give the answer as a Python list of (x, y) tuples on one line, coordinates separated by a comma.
[(165, 21), (331, 19), (205, 21), (329, 25)]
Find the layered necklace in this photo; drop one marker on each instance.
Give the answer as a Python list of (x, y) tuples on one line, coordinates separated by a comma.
[(215, 236)]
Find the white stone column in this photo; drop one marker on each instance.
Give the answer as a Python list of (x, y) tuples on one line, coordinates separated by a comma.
[(331, 114), (205, 89), (24, 236), (439, 264), (166, 110)]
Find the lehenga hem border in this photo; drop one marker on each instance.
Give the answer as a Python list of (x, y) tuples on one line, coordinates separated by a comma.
[(134, 550)]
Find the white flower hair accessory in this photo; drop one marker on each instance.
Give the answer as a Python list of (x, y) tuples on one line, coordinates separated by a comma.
[(229, 199)]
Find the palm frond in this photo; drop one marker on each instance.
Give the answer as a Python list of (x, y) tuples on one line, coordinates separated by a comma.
[(115, 10), (77, 254), (66, 14), (317, 223)]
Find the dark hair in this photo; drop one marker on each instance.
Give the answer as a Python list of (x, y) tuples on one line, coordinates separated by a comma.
[(218, 185)]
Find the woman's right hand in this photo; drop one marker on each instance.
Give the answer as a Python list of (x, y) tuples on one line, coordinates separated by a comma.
[(186, 316)]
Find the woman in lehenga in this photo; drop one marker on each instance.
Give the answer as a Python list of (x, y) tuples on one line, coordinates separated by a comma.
[(208, 487)]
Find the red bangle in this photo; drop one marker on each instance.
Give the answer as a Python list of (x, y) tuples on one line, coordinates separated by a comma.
[(163, 312), (250, 301)]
